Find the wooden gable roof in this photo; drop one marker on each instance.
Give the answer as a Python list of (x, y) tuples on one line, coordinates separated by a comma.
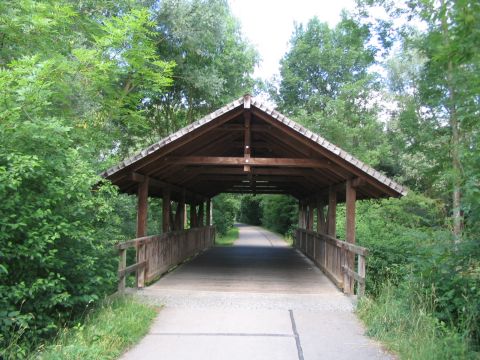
[(246, 147)]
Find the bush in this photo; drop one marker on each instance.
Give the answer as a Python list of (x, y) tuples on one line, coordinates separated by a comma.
[(225, 207), (394, 231), (279, 213), (403, 321), (411, 247), (56, 234)]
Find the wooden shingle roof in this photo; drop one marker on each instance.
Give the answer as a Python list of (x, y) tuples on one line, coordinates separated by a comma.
[(247, 147)]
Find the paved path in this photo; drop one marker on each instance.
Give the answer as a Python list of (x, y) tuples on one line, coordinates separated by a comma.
[(259, 299)]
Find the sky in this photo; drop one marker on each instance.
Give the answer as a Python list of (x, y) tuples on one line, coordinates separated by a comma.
[(269, 24)]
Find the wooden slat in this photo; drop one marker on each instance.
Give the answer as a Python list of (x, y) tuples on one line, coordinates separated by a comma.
[(353, 274), (361, 273), (131, 268), (122, 264), (330, 254)]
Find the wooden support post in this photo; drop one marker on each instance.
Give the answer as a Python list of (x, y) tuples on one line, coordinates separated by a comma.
[(320, 217), (181, 211), (166, 210), (172, 219), (185, 217), (361, 273), (208, 216), (193, 215), (300, 207), (311, 212), (121, 266), (332, 213), (201, 214), (142, 211), (351, 196), (178, 214), (247, 115)]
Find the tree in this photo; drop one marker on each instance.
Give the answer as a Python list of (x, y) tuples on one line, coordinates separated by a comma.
[(326, 84), (66, 98), (214, 62), (439, 119)]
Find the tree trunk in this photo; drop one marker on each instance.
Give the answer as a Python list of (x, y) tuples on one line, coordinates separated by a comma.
[(455, 139)]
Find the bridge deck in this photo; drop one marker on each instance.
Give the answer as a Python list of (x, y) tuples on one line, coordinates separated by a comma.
[(259, 299), (260, 262)]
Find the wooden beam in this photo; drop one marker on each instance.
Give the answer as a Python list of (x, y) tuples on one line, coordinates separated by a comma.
[(142, 208), (181, 211), (258, 171), (193, 215), (229, 161), (142, 212), (166, 210), (162, 184), (350, 228), (239, 128), (201, 214), (300, 215), (350, 212), (310, 217), (247, 134), (332, 212), (208, 217), (321, 221)]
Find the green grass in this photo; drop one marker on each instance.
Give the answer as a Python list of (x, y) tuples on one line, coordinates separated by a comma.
[(408, 328), (105, 333), (228, 238)]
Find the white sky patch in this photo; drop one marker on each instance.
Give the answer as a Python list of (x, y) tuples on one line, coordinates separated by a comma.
[(269, 24)]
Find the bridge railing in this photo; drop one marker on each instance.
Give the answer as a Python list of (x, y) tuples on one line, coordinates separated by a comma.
[(156, 254), (336, 258)]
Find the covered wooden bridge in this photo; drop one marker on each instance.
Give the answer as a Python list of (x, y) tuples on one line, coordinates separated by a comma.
[(247, 148)]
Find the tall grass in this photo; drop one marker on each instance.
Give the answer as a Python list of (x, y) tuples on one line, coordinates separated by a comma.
[(106, 332), (404, 323)]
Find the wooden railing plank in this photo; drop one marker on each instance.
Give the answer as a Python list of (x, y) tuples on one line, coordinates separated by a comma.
[(164, 251), (131, 268), (332, 258), (353, 274)]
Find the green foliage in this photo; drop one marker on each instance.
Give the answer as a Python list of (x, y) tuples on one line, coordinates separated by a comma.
[(105, 333), (229, 238), (411, 248), (61, 80), (327, 85), (404, 323), (250, 210), (279, 213), (427, 138), (394, 230), (225, 207), (214, 62)]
